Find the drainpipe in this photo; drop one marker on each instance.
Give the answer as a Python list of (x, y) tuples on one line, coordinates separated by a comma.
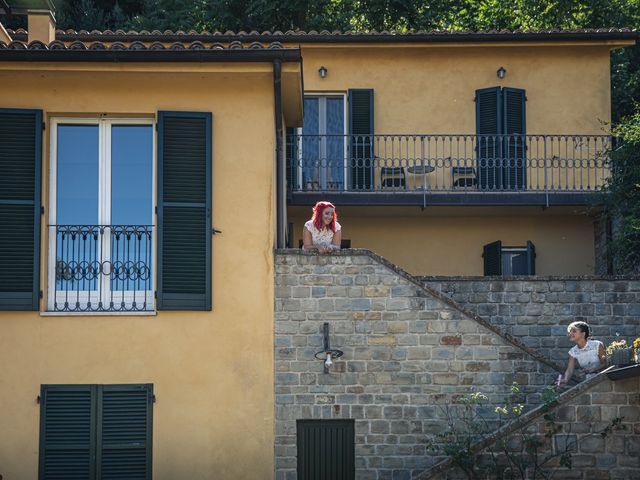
[(280, 205)]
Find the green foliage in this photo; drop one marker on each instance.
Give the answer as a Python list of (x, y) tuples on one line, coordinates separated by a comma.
[(622, 197), (526, 454)]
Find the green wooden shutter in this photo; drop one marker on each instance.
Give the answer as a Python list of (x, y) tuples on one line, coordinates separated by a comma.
[(492, 255), (124, 432), (291, 159), (489, 144), (184, 211), (20, 161), (361, 138), (326, 449), (67, 432), (531, 258), (514, 115)]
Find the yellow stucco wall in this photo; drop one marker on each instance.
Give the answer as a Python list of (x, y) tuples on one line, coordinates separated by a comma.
[(430, 89), (449, 240), (212, 371)]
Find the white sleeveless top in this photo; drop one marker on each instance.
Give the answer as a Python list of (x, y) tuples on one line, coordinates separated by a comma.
[(587, 357), (322, 237)]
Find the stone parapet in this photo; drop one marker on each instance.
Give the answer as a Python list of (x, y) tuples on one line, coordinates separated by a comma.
[(537, 310)]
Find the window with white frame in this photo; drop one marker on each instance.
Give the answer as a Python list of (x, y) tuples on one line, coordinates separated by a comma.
[(101, 242), (322, 143)]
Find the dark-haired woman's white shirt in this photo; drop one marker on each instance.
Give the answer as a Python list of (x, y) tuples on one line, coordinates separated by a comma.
[(587, 357)]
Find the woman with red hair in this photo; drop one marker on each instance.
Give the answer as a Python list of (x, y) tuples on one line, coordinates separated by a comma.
[(322, 232)]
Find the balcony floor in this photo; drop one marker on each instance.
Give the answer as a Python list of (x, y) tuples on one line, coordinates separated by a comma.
[(397, 197)]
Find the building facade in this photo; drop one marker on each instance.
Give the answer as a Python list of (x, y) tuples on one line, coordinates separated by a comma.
[(146, 179)]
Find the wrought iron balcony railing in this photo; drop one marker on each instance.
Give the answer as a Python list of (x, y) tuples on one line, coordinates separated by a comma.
[(101, 268), (447, 163)]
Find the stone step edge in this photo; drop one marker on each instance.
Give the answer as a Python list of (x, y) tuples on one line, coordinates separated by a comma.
[(516, 342), (517, 424)]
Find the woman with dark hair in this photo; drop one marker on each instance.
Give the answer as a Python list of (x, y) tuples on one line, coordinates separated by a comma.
[(588, 354), (322, 232)]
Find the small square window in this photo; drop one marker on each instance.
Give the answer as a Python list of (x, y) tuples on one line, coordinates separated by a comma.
[(508, 261), (514, 261)]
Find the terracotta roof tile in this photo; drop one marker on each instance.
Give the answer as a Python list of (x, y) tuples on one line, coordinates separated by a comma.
[(69, 35), (136, 46)]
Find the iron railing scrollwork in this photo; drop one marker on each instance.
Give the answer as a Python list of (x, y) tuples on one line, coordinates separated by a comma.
[(102, 268)]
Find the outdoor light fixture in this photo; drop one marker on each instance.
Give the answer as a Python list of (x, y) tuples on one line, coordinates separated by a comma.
[(501, 72), (323, 72), (327, 354)]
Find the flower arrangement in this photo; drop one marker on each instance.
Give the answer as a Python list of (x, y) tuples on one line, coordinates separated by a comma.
[(616, 345), (620, 353)]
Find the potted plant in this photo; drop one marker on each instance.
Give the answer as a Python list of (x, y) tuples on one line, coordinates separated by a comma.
[(619, 353)]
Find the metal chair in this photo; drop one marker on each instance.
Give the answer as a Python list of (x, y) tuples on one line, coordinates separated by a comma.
[(463, 176), (392, 177)]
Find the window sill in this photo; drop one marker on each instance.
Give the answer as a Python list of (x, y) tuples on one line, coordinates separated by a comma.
[(151, 313)]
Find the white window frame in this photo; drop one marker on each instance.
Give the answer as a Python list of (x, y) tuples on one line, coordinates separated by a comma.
[(322, 131), (104, 210)]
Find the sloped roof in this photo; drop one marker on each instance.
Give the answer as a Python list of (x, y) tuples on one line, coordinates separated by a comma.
[(324, 36)]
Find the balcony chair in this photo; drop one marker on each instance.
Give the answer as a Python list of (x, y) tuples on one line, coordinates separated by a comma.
[(392, 177), (463, 176)]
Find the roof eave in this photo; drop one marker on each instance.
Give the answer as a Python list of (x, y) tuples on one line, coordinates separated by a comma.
[(133, 56)]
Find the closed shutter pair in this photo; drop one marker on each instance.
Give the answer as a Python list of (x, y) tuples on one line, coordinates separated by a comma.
[(184, 210), (96, 432), (501, 140)]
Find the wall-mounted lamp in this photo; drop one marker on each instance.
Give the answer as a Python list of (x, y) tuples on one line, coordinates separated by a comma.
[(327, 354), (501, 72), (323, 72)]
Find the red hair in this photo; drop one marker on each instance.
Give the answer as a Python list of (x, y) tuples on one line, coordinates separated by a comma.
[(318, 209)]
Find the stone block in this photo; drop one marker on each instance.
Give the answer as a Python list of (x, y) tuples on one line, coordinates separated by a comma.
[(379, 426), (615, 443), (451, 340), (477, 366), (592, 444), (579, 461), (398, 327), (630, 413), (376, 291), (392, 412), (628, 461), (445, 379)]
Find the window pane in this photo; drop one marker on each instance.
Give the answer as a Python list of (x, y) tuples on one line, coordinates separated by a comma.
[(131, 208), (335, 142), (131, 174), (77, 175), (78, 243)]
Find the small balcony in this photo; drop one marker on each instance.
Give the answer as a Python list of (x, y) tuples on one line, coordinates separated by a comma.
[(447, 169), (101, 268)]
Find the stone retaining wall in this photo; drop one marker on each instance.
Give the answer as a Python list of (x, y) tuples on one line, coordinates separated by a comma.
[(538, 309), (406, 352)]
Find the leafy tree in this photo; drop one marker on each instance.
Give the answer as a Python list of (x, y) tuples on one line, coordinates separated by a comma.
[(622, 198)]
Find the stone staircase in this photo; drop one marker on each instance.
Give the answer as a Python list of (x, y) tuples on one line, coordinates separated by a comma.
[(605, 444), (408, 349)]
